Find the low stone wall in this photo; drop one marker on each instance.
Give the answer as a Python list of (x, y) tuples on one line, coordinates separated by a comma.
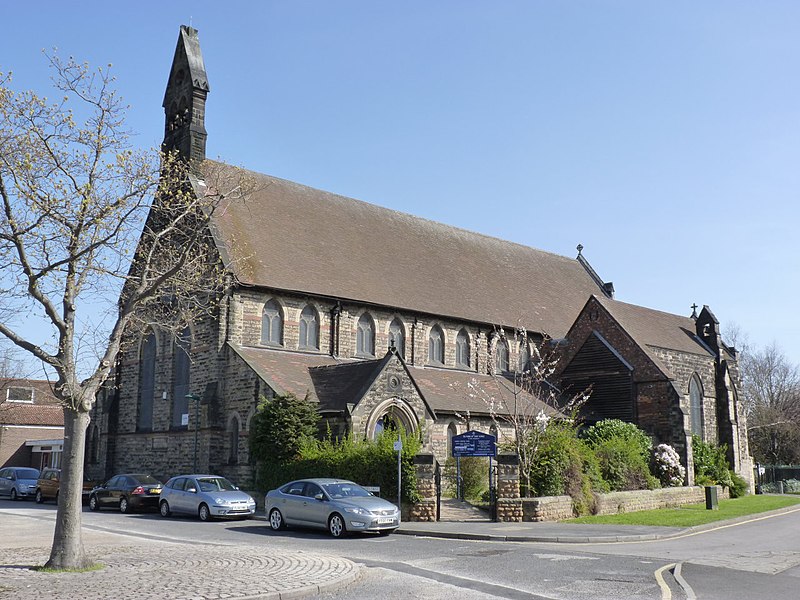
[(556, 508)]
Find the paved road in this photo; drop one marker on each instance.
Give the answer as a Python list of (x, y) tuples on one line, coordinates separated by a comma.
[(760, 558)]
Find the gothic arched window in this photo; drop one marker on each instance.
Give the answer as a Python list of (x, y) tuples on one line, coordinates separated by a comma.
[(233, 440), (309, 329), (272, 324), (181, 364), (696, 405), (524, 357), (462, 349), (501, 356), (365, 336), (436, 346), (397, 336), (147, 382), (451, 433)]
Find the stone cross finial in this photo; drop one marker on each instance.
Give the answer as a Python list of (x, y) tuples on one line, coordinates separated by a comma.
[(579, 248), (694, 311)]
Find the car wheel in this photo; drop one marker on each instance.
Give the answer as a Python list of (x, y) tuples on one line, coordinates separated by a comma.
[(14, 496), (204, 513), (276, 520), (39, 497), (124, 507), (164, 508), (336, 525), (93, 503)]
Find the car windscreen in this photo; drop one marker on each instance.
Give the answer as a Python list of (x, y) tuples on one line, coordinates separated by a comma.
[(146, 480), (214, 484), (27, 474), (345, 490)]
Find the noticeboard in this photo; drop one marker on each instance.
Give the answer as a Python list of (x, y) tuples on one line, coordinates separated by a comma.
[(474, 443)]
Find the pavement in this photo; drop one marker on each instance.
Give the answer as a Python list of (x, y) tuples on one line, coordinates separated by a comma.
[(148, 568)]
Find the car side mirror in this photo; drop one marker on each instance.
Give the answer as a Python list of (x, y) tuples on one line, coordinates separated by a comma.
[(192, 490), (319, 496)]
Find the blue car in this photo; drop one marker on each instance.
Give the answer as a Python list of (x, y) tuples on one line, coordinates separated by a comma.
[(205, 496), (18, 482)]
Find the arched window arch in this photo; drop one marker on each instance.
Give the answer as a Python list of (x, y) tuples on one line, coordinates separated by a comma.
[(696, 405), (181, 370), (234, 428), (451, 433), (397, 336), (309, 328), (501, 356), (436, 346), (462, 349), (365, 336), (272, 324), (92, 444), (147, 382)]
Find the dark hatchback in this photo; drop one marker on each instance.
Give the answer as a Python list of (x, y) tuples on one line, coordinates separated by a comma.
[(127, 493)]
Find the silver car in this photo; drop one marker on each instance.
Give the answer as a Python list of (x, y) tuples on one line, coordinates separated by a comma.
[(337, 505), (18, 482), (206, 496)]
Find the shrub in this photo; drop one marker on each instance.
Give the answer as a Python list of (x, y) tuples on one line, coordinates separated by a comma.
[(623, 452), (711, 467), (280, 428), (474, 476), (667, 466)]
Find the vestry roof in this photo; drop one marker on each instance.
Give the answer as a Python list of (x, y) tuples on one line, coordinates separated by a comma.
[(295, 238)]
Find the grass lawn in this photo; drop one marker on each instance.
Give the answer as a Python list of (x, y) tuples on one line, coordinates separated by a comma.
[(695, 514)]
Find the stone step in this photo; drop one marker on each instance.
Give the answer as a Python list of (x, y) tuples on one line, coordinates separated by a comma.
[(460, 511)]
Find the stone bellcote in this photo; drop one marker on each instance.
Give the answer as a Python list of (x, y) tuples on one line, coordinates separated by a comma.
[(185, 100)]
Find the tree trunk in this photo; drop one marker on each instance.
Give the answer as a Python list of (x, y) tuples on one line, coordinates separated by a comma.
[(68, 551)]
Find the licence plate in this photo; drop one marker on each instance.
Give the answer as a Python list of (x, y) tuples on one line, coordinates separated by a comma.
[(385, 521), (155, 491)]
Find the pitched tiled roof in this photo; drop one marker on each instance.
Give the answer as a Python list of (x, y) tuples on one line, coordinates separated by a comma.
[(291, 237), (656, 329), (44, 411), (336, 383)]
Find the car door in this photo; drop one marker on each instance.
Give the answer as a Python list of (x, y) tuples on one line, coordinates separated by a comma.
[(185, 494), (291, 501), (5, 482), (103, 494), (313, 511)]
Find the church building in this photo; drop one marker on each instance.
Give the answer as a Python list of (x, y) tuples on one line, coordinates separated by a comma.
[(380, 318)]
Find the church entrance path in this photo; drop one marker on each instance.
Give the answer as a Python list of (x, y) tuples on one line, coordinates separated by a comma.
[(455, 510)]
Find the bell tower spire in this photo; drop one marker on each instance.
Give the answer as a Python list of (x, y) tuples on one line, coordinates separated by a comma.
[(185, 100)]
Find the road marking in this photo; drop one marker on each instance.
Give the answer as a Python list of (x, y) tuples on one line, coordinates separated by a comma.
[(559, 557), (690, 595), (666, 593)]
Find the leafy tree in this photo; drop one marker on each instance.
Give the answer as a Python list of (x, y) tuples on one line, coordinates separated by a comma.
[(96, 239), (281, 427)]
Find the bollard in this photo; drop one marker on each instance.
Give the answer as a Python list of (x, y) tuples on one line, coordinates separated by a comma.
[(711, 498)]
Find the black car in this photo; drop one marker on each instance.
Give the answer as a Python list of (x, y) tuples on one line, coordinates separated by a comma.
[(127, 492)]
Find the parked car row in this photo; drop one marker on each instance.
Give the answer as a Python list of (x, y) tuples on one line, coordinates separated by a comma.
[(337, 505)]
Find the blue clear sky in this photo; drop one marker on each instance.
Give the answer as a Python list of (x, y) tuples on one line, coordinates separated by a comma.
[(664, 137)]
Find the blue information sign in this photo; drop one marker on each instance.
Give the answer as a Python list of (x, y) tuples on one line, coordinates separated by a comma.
[(474, 443)]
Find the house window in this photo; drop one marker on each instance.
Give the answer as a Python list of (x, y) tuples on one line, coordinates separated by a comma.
[(696, 405), (20, 394), (501, 356), (147, 381), (365, 336), (309, 329), (272, 324), (397, 337), (181, 366), (436, 346), (462, 349)]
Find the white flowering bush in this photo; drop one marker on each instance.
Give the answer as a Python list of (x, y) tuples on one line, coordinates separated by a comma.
[(667, 466)]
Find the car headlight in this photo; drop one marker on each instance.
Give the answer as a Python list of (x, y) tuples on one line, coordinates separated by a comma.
[(358, 511), (221, 501)]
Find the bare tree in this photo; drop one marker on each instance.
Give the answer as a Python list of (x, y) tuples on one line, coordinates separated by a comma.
[(96, 238), (525, 398), (771, 398)]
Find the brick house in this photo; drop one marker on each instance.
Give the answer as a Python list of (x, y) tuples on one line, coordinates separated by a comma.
[(373, 314), (31, 424)]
